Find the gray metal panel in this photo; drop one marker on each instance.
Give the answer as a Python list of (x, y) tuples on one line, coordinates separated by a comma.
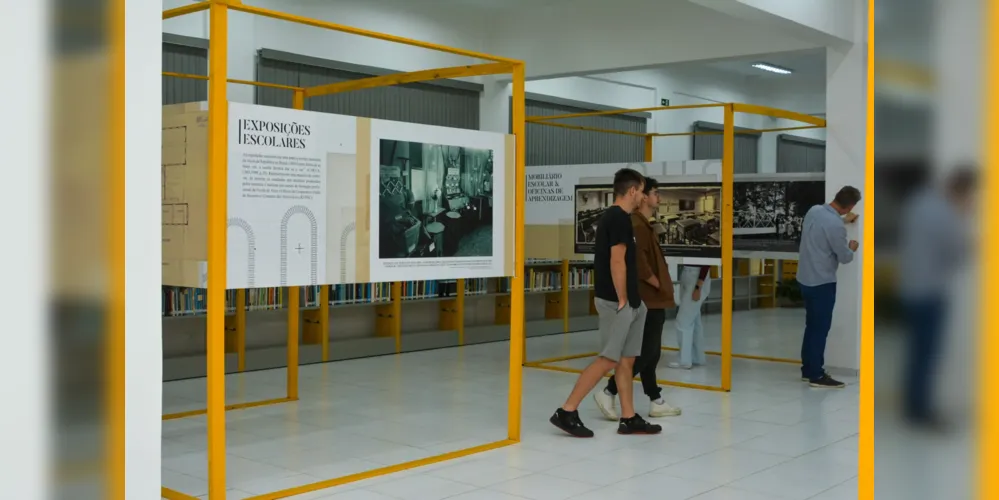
[(277, 55), (184, 58), (800, 154), (429, 340), (485, 334), (709, 147), (548, 145), (588, 106), (414, 103)]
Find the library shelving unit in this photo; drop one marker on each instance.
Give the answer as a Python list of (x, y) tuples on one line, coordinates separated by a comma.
[(373, 319)]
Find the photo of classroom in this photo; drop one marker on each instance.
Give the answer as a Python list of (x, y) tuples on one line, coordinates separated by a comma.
[(768, 215), (434, 201), (591, 202), (689, 216)]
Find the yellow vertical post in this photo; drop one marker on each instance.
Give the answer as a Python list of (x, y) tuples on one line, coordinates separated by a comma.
[(293, 331), (865, 460), (115, 213), (460, 307), (565, 295), (241, 328), (727, 222), (517, 344), (294, 306), (324, 320), (397, 314), (648, 147), (218, 126)]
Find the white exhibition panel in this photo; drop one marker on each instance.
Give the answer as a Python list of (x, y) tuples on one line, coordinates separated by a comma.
[(487, 264), (550, 194), (278, 191)]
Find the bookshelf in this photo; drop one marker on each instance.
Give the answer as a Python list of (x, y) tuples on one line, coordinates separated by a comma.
[(339, 322)]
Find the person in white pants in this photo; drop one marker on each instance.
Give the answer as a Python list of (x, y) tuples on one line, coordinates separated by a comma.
[(695, 286)]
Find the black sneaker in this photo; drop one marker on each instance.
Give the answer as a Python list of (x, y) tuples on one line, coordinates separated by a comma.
[(637, 425), (826, 382), (569, 422)]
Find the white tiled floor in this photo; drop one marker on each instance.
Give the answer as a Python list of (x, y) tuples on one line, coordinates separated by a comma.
[(771, 438)]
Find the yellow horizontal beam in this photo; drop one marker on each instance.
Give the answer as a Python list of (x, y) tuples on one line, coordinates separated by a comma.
[(383, 471), (175, 495), (783, 129), (273, 14), (187, 9), (238, 406), (887, 71), (592, 129), (412, 77), (536, 119), (561, 358), (686, 385), (778, 113), (747, 356), (232, 80)]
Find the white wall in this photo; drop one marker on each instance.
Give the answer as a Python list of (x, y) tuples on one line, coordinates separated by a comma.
[(845, 165)]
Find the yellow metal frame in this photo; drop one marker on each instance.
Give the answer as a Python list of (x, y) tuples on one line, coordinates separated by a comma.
[(217, 170), (728, 170)]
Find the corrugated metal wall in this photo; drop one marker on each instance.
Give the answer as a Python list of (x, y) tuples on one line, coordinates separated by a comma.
[(561, 146), (184, 59), (709, 147), (415, 103), (799, 154)]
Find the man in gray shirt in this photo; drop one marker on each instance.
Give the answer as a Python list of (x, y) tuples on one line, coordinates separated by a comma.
[(934, 244), (823, 248)]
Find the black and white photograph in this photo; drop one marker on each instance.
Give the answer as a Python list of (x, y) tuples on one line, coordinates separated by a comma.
[(435, 200), (591, 202), (689, 219), (768, 215)]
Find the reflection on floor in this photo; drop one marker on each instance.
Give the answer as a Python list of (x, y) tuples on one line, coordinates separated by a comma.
[(771, 438), (477, 243)]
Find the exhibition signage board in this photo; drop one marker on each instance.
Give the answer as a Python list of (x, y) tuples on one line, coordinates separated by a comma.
[(767, 208), (687, 221), (317, 198)]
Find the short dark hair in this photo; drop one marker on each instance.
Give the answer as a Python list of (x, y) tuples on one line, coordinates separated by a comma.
[(650, 185), (963, 180), (625, 179), (847, 196)]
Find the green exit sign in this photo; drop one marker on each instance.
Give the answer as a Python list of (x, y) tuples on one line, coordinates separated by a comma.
[(664, 102)]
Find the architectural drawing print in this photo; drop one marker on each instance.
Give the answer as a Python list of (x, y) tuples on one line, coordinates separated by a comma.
[(251, 248), (313, 243)]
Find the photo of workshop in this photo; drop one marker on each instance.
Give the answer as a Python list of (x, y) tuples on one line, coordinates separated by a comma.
[(434, 201)]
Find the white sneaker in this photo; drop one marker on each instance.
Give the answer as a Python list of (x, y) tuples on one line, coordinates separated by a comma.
[(663, 409), (607, 404), (676, 365)]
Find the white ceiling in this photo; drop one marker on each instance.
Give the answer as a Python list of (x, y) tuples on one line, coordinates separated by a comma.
[(807, 65)]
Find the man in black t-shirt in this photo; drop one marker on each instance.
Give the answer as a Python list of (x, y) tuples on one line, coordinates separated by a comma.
[(620, 309)]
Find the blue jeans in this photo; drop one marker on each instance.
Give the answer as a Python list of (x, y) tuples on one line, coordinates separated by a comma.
[(819, 303), (924, 318)]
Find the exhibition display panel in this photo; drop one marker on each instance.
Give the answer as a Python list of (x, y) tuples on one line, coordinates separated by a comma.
[(707, 216), (295, 199)]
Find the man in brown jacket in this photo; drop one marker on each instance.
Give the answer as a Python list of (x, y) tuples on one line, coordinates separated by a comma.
[(656, 289)]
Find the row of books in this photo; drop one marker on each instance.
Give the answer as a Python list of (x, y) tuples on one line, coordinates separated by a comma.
[(181, 301)]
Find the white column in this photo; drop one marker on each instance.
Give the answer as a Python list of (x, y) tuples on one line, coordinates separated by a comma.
[(494, 105), (845, 148), (143, 265)]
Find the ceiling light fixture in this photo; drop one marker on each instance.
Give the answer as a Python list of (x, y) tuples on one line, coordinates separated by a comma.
[(772, 68)]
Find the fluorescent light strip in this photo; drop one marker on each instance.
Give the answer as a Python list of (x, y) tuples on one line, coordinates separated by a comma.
[(772, 68)]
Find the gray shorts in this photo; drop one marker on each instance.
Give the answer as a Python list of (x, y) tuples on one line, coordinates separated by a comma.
[(620, 332)]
